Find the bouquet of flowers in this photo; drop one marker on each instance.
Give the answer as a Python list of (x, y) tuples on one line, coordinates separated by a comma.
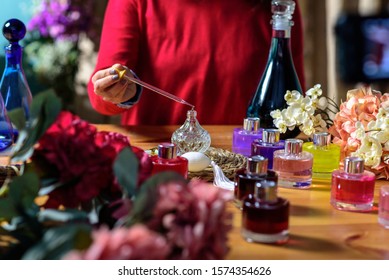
[(88, 194), (361, 128)]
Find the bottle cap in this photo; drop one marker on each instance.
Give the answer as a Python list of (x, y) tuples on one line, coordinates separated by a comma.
[(354, 165), (251, 124), (256, 165), (293, 146), (266, 190), (167, 150), (321, 139), (282, 14), (270, 135)]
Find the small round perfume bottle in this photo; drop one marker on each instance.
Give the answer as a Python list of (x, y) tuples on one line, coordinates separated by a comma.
[(167, 160), (326, 156), (266, 146), (293, 165), (246, 178), (243, 137), (352, 189), (265, 217), (191, 136)]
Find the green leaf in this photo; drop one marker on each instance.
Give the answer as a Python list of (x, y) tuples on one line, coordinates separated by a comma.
[(62, 216), (125, 169), (147, 197), (17, 118), (58, 241), (7, 209), (45, 108), (24, 189)]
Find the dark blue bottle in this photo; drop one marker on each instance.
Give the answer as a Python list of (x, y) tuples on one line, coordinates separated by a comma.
[(14, 87)]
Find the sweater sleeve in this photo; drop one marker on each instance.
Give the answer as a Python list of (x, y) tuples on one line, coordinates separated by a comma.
[(119, 44)]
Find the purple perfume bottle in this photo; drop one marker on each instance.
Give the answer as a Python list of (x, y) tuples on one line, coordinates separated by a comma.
[(265, 217), (167, 160), (293, 165), (266, 146), (243, 136), (245, 178), (352, 189)]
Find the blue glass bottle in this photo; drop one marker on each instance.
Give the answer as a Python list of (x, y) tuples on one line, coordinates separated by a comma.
[(14, 87), (280, 74), (6, 133)]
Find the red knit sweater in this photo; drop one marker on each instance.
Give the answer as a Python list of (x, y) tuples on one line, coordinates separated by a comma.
[(210, 53)]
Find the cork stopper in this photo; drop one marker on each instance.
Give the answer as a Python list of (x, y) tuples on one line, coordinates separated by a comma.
[(270, 135), (354, 165), (256, 165), (167, 150), (293, 146), (251, 124)]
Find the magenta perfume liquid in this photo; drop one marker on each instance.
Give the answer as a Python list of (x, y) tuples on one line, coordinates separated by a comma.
[(243, 137), (353, 188), (266, 146), (246, 178), (167, 160), (293, 165), (383, 207), (326, 156), (265, 217)]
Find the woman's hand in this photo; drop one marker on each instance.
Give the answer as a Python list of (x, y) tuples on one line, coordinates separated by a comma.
[(110, 87)]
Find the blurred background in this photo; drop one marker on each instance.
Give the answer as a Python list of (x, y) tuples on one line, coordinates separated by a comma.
[(346, 44)]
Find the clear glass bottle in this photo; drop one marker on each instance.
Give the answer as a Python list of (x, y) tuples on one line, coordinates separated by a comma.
[(245, 178), (326, 156), (266, 146), (352, 189), (14, 87), (191, 136), (293, 165), (279, 74), (242, 137), (383, 207), (167, 160), (6, 131), (265, 217)]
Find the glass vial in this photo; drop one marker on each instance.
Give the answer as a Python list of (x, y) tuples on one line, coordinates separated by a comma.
[(383, 206), (167, 160), (245, 178), (243, 136), (279, 74), (14, 87), (265, 217), (191, 136), (352, 189), (326, 156), (293, 165), (269, 143)]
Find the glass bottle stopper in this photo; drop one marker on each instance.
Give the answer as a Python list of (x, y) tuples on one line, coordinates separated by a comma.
[(14, 30), (282, 14), (321, 139), (167, 150), (266, 190), (293, 146), (251, 124), (270, 135), (354, 165), (191, 136), (256, 165)]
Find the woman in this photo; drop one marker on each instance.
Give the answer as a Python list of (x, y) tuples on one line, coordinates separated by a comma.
[(210, 53)]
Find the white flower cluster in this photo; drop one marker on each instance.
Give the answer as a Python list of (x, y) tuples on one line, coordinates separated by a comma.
[(374, 140), (302, 111)]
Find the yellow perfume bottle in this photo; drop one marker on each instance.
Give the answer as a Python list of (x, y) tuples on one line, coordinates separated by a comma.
[(326, 156)]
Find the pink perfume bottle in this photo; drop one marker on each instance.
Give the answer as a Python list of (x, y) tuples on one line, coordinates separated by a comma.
[(243, 137), (167, 160), (293, 165), (353, 188), (266, 146), (265, 217), (383, 207), (246, 178)]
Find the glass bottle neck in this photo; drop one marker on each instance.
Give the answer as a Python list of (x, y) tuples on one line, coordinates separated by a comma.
[(13, 53), (284, 33)]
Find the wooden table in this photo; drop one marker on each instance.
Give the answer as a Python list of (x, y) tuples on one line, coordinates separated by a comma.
[(317, 231)]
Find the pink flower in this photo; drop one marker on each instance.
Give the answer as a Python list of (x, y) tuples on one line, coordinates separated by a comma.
[(135, 243), (194, 219)]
